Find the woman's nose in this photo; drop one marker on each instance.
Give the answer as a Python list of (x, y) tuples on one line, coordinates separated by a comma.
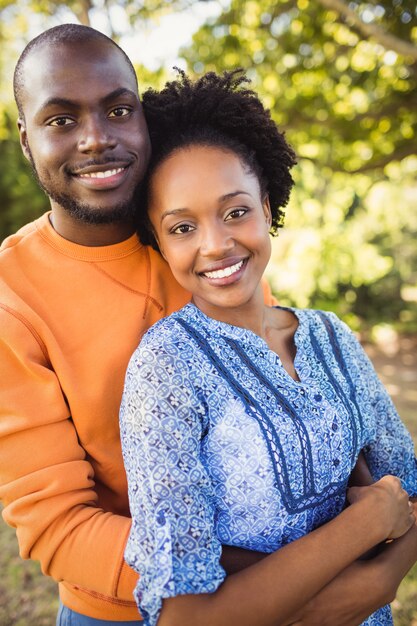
[(215, 241)]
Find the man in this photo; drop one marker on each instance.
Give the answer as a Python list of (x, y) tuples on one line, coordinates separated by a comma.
[(77, 291)]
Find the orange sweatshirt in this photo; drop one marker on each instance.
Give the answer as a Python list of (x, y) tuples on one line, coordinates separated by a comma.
[(70, 318)]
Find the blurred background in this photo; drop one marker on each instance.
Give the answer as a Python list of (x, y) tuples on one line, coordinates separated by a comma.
[(340, 80)]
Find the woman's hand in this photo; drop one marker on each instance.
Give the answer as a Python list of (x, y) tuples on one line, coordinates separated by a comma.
[(392, 502)]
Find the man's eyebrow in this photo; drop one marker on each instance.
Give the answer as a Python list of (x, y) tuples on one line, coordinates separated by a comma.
[(67, 102), (121, 91), (55, 101)]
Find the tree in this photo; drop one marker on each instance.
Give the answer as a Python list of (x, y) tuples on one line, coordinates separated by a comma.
[(340, 79)]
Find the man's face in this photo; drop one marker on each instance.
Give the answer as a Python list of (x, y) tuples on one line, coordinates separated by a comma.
[(84, 131)]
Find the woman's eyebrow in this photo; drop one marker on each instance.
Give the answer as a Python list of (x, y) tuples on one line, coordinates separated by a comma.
[(229, 196), (171, 212), (224, 198)]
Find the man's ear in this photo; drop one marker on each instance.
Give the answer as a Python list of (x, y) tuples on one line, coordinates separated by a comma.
[(267, 210), (23, 138)]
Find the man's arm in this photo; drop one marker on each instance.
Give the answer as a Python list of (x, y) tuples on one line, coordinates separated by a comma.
[(46, 482)]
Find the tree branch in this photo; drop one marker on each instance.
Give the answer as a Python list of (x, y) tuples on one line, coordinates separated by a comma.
[(376, 164), (398, 154), (374, 31)]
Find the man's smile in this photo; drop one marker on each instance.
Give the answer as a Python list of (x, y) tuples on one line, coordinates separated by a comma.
[(102, 177), (105, 174)]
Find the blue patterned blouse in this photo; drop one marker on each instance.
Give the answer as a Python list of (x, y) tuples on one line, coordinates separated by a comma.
[(222, 446)]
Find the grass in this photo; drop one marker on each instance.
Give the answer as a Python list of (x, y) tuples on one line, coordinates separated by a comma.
[(27, 598)]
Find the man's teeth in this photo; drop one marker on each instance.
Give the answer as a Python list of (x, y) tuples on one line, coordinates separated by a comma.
[(105, 174), (228, 271)]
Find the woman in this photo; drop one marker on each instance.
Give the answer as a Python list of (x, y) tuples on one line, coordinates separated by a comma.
[(241, 424)]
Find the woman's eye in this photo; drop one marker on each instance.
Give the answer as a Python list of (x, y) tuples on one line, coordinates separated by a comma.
[(235, 213), (61, 121), (120, 112), (182, 229)]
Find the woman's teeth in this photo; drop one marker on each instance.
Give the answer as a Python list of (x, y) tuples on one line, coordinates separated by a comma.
[(228, 271)]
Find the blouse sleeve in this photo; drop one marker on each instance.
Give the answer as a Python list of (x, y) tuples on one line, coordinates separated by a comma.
[(388, 446), (172, 543)]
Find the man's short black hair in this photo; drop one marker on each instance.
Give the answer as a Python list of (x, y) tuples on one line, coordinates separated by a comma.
[(63, 34), (220, 111)]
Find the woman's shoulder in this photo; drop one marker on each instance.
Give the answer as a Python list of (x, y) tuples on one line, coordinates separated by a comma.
[(167, 337), (324, 324)]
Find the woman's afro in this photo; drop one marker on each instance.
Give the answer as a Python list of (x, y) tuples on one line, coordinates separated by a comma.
[(218, 110)]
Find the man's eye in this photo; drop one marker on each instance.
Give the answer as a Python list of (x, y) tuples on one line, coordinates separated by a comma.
[(235, 213), (120, 112), (182, 229), (61, 121)]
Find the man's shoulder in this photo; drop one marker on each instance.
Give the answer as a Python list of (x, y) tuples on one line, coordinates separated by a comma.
[(25, 233)]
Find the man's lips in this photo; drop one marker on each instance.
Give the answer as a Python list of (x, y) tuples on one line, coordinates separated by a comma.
[(102, 174), (106, 176)]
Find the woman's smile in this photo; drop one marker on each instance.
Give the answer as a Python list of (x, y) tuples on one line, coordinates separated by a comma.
[(212, 227)]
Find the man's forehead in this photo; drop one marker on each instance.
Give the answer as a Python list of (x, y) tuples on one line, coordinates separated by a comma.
[(64, 56), (74, 70)]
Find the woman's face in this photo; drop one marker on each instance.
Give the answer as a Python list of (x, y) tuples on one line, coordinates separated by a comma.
[(212, 226)]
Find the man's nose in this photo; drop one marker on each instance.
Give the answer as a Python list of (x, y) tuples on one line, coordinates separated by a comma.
[(96, 136)]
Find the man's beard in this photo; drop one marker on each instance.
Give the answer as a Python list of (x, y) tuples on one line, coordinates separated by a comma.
[(89, 214)]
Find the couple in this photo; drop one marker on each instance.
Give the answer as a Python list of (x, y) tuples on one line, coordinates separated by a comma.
[(78, 292)]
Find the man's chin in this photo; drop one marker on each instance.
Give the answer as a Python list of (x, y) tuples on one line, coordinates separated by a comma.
[(95, 215), (123, 212)]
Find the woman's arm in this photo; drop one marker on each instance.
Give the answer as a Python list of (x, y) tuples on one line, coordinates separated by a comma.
[(355, 593), (362, 587), (173, 544), (268, 593)]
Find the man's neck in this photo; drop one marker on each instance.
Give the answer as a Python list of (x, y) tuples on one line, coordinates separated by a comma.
[(91, 235)]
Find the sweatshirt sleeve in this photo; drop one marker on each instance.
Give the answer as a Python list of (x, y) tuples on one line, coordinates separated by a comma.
[(269, 298), (46, 483)]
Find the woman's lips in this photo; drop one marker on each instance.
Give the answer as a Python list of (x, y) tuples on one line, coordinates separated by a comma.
[(224, 276), (223, 273)]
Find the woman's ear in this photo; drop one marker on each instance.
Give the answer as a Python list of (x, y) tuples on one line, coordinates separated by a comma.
[(161, 252), (155, 236), (267, 210)]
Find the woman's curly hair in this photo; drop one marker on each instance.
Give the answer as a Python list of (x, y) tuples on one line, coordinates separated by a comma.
[(217, 110)]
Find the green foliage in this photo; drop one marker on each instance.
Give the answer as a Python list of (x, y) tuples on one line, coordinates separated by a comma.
[(342, 84), (349, 245), (343, 87), (347, 102), (22, 200)]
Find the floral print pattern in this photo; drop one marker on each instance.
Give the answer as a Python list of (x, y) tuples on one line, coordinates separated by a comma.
[(222, 446)]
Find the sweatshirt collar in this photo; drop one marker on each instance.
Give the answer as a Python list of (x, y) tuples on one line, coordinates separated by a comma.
[(85, 253)]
